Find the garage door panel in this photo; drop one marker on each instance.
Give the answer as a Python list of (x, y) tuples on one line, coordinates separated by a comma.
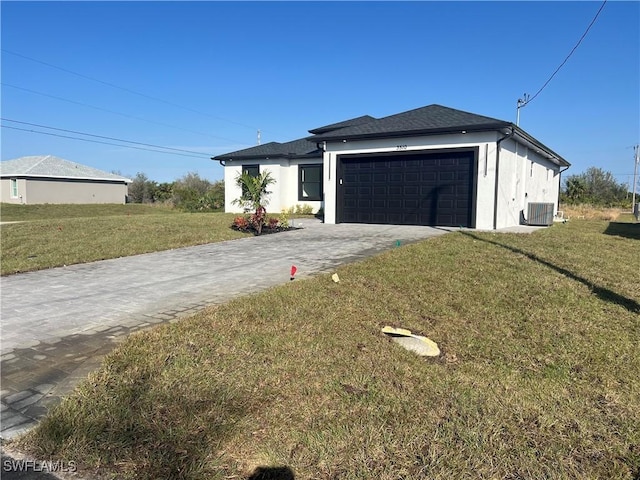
[(423, 189), (446, 177), (429, 177), (412, 177), (396, 219), (350, 179), (382, 177), (411, 190)]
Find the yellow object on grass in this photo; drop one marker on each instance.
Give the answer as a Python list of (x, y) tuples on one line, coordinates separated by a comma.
[(418, 344)]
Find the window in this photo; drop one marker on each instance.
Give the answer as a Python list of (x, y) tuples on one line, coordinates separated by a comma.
[(14, 188), (253, 170), (310, 182)]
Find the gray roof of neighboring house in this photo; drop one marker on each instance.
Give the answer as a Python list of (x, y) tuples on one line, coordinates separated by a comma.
[(301, 148), (49, 166)]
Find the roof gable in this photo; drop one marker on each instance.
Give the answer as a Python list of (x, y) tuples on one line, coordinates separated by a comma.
[(54, 167), (432, 118), (347, 123)]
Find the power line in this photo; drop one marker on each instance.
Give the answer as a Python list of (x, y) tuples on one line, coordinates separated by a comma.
[(118, 113), (527, 99), (98, 141), (102, 136), (125, 89)]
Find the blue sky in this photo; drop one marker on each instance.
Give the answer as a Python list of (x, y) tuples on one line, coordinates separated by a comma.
[(208, 75)]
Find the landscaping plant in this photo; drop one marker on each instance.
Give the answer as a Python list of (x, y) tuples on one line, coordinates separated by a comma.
[(255, 197)]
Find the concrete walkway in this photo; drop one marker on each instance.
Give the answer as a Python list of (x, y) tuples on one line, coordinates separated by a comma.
[(58, 323)]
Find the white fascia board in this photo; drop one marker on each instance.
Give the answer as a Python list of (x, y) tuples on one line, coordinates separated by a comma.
[(27, 176), (407, 144)]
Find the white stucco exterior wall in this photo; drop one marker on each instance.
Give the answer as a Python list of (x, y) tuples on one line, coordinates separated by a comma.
[(486, 176), (525, 177), (231, 190), (518, 183), (284, 193)]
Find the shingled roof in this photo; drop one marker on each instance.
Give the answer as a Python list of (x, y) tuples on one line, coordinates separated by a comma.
[(301, 148), (425, 120), (347, 123), (429, 120), (49, 166)]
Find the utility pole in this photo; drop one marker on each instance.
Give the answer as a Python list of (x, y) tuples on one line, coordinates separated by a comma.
[(636, 159), (521, 103)]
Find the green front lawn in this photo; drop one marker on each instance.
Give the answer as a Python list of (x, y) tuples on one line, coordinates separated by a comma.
[(56, 235), (539, 376)]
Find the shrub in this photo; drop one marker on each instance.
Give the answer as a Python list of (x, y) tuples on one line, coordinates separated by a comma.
[(272, 223), (241, 223), (284, 218), (304, 209)]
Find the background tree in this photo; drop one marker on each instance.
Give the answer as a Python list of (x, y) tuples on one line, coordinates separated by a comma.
[(140, 190), (595, 186), (215, 194), (163, 192), (193, 193), (190, 193), (575, 189)]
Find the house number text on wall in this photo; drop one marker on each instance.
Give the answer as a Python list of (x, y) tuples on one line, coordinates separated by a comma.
[(401, 147)]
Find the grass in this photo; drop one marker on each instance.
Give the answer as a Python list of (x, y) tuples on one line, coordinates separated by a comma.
[(539, 376), (56, 235), (10, 212), (590, 212)]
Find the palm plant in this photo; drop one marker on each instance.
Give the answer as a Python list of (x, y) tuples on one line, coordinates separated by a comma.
[(254, 196)]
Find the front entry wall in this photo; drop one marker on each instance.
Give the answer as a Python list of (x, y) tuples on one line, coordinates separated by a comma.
[(413, 188)]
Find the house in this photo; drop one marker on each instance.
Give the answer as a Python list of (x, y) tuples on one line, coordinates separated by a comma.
[(430, 166), (49, 179)]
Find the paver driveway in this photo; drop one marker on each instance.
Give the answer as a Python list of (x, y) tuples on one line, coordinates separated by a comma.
[(54, 322)]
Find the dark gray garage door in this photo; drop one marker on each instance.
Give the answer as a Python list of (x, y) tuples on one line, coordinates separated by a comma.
[(412, 189)]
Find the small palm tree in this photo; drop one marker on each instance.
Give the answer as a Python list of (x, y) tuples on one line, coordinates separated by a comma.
[(254, 196), (576, 188)]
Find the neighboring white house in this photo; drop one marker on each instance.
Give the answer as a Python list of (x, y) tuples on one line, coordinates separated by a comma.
[(429, 166), (48, 179)]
